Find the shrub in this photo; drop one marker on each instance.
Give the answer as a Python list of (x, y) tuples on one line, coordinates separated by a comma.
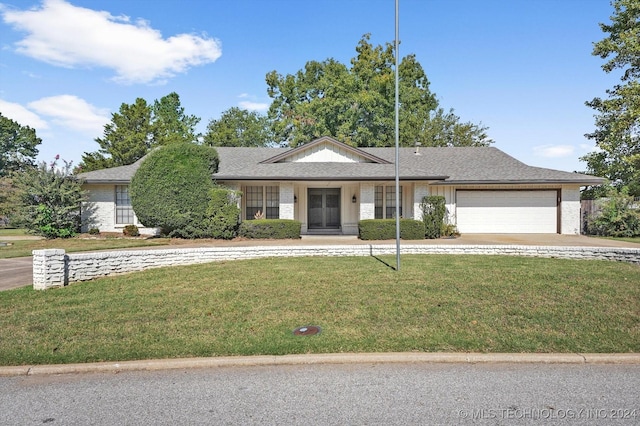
[(617, 217), (270, 228), (50, 198), (131, 231), (449, 230), (94, 231), (223, 213), (170, 189), (385, 229), (433, 212)]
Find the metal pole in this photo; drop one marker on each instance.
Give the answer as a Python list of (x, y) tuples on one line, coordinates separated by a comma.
[(397, 46)]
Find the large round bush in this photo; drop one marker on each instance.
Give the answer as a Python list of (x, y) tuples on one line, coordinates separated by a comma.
[(170, 189)]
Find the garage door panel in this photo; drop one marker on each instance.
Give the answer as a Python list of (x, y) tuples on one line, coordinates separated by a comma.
[(507, 211)]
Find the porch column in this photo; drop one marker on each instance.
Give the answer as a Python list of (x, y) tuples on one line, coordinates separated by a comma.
[(420, 190), (286, 201), (367, 201)]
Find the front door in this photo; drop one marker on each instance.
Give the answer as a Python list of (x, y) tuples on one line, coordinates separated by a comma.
[(324, 208)]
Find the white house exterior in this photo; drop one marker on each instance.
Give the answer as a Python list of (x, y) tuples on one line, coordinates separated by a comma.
[(329, 186)]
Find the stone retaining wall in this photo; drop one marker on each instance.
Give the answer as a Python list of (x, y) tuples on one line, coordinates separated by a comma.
[(55, 268)]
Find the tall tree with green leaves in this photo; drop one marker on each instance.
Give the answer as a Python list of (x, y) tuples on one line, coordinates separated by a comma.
[(356, 105), (617, 133), (238, 127), (17, 146), (139, 127), (171, 124), (125, 140)]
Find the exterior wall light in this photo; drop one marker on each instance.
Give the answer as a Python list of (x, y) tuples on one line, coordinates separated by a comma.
[(295, 198), (354, 199)]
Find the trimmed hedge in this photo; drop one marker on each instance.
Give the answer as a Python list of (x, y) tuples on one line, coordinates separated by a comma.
[(385, 229), (270, 228), (170, 189)]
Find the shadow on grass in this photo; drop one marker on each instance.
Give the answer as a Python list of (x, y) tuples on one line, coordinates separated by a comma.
[(380, 260)]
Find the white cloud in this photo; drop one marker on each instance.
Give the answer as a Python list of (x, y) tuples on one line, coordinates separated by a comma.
[(72, 112), (253, 106), (65, 35), (22, 115), (553, 151)]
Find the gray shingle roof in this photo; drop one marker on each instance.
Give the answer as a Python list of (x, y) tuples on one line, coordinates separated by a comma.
[(449, 165)]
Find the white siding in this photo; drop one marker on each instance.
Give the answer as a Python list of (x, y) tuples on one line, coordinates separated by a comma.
[(326, 153)]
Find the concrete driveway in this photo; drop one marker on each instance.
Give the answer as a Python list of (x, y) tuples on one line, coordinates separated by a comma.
[(18, 272)]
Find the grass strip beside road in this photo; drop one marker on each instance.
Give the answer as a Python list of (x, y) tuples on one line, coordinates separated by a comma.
[(250, 307)]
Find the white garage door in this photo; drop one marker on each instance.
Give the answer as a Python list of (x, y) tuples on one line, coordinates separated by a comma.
[(507, 212)]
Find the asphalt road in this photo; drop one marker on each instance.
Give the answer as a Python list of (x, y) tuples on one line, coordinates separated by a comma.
[(372, 394), (16, 272)]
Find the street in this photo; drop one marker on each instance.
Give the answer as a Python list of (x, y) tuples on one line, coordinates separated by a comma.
[(401, 394)]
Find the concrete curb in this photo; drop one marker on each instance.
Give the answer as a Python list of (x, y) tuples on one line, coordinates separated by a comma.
[(316, 359)]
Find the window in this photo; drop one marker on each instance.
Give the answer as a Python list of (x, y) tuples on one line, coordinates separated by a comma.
[(273, 202), (253, 201), (124, 211), (385, 202), (264, 199)]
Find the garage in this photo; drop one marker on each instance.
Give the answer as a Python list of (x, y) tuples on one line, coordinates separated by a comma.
[(507, 212)]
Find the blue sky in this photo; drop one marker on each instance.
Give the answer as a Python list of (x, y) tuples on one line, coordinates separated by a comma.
[(521, 67)]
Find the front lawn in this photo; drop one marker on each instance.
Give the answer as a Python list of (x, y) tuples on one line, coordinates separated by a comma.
[(12, 232), (627, 239), (435, 303), (22, 248)]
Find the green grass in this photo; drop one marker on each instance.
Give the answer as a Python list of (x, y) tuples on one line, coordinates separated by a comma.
[(435, 303), (627, 239), (12, 232), (23, 248)]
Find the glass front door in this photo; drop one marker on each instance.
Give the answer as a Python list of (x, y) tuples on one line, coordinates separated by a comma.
[(324, 208)]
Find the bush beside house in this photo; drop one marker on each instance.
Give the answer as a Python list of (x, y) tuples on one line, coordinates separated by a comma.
[(270, 228), (433, 213), (385, 229), (618, 215), (223, 213)]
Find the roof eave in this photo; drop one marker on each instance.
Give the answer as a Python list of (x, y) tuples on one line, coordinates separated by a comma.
[(526, 182), (328, 178)]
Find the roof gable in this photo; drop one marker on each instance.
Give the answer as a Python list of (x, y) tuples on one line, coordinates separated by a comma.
[(325, 150)]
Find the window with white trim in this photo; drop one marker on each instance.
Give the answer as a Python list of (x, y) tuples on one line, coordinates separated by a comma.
[(385, 202), (124, 211), (263, 199)]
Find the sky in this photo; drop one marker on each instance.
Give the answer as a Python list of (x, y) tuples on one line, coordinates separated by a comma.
[(522, 68)]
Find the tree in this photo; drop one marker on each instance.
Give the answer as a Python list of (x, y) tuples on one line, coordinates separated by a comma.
[(238, 127), (126, 139), (357, 105), (17, 146), (50, 199), (139, 127), (170, 189), (8, 200), (617, 133), (170, 124)]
